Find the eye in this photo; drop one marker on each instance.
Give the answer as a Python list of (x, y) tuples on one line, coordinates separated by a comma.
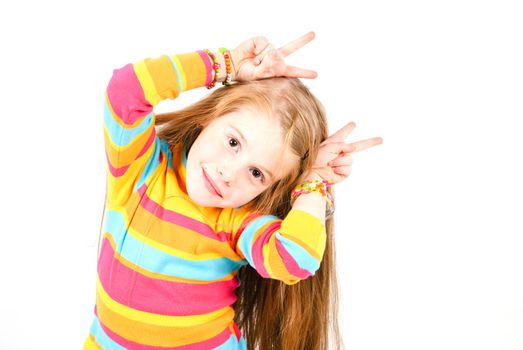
[(235, 141), (260, 176)]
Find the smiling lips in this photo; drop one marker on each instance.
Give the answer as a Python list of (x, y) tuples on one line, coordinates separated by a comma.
[(211, 184)]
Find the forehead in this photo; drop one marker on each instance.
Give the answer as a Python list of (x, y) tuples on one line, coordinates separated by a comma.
[(252, 116)]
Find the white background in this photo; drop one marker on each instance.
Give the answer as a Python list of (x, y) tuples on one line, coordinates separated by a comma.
[(429, 224)]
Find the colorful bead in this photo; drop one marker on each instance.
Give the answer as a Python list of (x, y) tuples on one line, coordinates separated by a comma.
[(215, 66), (319, 186), (228, 65)]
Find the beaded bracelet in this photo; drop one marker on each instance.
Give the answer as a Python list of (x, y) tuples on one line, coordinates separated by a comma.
[(319, 186), (228, 65), (216, 67)]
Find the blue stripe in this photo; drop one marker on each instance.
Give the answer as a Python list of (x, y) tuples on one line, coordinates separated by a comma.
[(177, 74), (233, 344), (152, 163), (245, 242), (103, 339), (121, 136), (155, 260), (300, 255), (184, 157), (164, 145)]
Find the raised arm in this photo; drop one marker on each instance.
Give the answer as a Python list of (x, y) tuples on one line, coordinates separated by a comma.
[(289, 250), (131, 145)]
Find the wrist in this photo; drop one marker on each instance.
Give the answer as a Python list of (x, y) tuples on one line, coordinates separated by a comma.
[(314, 185), (222, 73), (310, 176), (234, 64)]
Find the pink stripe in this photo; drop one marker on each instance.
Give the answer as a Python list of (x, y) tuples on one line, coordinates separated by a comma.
[(208, 66), (126, 95), (117, 172), (290, 263), (179, 219), (128, 344), (257, 247), (237, 331), (131, 288), (251, 217)]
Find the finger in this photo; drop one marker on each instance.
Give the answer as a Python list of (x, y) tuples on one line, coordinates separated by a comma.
[(343, 170), (342, 134), (341, 161), (294, 45), (367, 143), (296, 72), (338, 147)]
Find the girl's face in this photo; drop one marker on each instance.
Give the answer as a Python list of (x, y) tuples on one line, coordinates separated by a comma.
[(239, 153)]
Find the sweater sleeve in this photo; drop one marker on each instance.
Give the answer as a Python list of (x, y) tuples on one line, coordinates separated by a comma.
[(289, 250), (132, 147)]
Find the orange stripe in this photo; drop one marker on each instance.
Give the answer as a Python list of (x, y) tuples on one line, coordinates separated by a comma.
[(146, 224), (276, 266), (164, 77), (194, 68), (126, 155), (187, 240)]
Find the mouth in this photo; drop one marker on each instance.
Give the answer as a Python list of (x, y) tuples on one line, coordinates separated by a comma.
[(211, 186)]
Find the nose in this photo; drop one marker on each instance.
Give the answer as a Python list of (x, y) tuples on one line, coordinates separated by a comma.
[(225, 173)]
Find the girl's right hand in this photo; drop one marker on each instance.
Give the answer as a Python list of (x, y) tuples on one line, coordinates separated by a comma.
[(334, 159), (256, 58)]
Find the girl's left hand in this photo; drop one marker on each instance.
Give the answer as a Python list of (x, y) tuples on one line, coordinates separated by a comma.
[(257, 58), (334, 160)]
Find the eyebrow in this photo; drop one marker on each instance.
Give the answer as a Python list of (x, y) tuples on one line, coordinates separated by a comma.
[(245, 142)]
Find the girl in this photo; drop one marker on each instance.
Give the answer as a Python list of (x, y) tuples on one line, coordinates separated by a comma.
[(215, 224)]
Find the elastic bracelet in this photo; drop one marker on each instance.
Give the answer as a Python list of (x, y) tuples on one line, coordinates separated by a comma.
[(216, 67), (228, 66), (318, 186)]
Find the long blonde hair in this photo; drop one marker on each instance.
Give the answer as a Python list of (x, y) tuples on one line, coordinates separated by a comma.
[(270, 313)]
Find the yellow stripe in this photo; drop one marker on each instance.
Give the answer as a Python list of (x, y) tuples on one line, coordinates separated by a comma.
[(181, 72), (156, 319), (91, 344), (266, 254), (306, 230), (147, 83)]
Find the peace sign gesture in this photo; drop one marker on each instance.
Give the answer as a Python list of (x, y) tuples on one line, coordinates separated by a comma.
[(256, 58), (334, 160)]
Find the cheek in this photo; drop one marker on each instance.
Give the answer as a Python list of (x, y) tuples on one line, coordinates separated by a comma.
[(210, 150)]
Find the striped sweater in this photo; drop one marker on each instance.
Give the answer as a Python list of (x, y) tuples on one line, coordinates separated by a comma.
[(167, 269)]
